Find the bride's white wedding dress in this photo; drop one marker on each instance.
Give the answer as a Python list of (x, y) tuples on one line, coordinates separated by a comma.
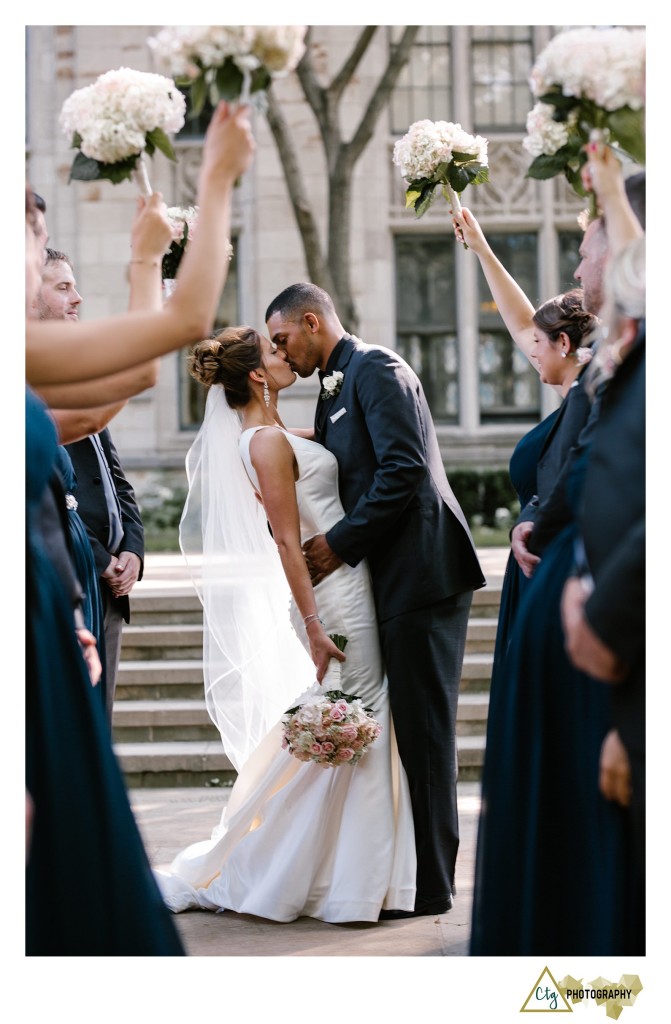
[(297, 839)]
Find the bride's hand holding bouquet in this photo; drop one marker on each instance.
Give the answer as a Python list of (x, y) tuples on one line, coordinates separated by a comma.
[(323, 646)]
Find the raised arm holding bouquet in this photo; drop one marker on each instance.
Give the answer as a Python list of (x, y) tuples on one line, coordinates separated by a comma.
[(227, 61), (590, 86), (114, 121), (60, 352), (439, 153)]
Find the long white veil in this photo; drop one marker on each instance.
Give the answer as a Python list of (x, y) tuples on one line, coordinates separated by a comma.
[(254, 666)]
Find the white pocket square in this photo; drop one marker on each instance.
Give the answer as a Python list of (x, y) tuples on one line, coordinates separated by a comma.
[(337, 415)]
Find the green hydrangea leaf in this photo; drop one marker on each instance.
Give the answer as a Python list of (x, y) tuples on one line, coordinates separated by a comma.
[(158, 138)]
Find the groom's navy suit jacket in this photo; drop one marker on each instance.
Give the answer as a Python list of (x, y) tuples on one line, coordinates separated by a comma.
[(401, 513)]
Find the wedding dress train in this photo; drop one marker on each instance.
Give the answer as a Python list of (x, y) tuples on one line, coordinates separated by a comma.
[(297, 839)]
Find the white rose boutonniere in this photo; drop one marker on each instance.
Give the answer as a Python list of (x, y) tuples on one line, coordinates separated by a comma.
[(331, 385)]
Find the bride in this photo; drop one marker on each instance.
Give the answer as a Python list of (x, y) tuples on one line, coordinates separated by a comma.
[(296, 839)]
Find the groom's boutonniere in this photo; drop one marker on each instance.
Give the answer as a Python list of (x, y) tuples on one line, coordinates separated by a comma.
[(331, 385)]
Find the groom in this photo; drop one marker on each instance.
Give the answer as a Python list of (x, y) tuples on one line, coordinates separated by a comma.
[(402, 516)]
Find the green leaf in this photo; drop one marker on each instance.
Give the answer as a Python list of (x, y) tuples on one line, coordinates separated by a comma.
[(84, 168), (76, 141), (628, 128), (160, 140), (563, 104), (339, 640), (545, 166), (119, 171), (150, 147), (458, 177), (463, 158), (411, 197), (228, 80), (481, 176), (198, 95), (426, 198), (439, 173), (261, 79)]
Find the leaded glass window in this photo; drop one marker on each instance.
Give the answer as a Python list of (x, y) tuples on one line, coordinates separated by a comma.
[(425, 319), (508, 383)]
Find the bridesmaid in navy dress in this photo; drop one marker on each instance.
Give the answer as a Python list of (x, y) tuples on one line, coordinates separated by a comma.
[(89, 886), (543, 825)]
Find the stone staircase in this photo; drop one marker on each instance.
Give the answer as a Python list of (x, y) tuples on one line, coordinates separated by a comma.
[(163, 734)]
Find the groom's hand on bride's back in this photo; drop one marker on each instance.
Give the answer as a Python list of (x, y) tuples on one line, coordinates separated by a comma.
[(321, 560)]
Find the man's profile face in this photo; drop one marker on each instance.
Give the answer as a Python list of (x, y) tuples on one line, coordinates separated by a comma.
[(297, 341), (58, 298), (590, 270)]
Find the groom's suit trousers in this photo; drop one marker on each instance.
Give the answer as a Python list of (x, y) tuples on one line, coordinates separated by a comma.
[(423, 651)]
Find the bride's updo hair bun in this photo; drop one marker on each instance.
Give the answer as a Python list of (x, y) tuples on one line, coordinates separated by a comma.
[(228, 359)]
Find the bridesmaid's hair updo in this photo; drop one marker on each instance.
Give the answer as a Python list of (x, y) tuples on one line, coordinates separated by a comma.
[(228, 359), (566, 313)]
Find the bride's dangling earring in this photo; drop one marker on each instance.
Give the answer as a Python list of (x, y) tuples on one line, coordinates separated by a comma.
[(266, 393)]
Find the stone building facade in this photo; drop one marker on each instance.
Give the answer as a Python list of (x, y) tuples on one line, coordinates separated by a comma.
[(415, 288)]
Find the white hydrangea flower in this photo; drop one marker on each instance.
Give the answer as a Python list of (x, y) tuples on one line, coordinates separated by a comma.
[(279, 47), (606, 66), (544, 136), (185, 51), (427, 144), (114, 114)]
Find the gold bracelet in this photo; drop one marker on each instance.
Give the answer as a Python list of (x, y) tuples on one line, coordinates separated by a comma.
[(151, 263)]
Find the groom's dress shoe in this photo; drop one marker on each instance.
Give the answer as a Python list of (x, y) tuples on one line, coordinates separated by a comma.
[(425, 910)]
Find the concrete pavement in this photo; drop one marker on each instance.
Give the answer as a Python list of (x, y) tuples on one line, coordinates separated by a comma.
[(170, 819)]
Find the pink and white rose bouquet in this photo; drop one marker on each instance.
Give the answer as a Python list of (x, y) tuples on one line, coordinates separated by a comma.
[(439, 153), (586, 81), (330, 728), (227, 61), (118, 118)]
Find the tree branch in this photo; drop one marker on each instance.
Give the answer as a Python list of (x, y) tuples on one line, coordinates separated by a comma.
[(317, 266), (344, 76), (314, 93), (397, 60)]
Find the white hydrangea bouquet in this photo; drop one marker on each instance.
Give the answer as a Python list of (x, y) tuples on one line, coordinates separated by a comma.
[(330, 728), (589, 83), (439, 153), (114, 121), (227, 61)]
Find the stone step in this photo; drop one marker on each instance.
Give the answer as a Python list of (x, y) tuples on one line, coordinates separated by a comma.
[(156, 642), (152, 603), (152, 721), (202, 763), (181, 641), (175, 763), (182, 679)]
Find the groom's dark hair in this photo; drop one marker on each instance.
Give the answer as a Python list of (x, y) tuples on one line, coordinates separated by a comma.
[(301, 298)]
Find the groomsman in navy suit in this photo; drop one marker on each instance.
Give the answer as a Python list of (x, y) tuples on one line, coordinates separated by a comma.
[(402, 516), (106, 501)]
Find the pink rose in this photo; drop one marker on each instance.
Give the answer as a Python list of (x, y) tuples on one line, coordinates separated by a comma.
[(336, 714), (328, 747), (349, 732), (316, 748), (345, 754)]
